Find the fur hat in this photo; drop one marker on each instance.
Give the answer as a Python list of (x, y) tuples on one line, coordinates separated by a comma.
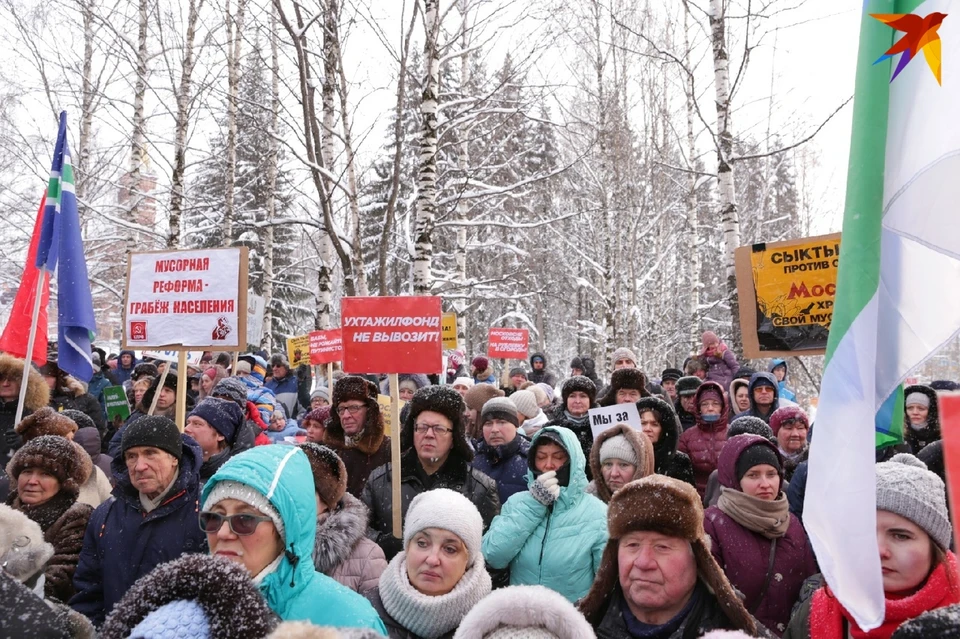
[(939, 623), (153, 430), (500, 408), (222, 590), (518, 370), (786, 413), (81, 419), (688, 385), (144, 369), (329, 473), (55, 455), (672, 508), (638, 443), (480, 394), (622, 353), (526, 403), (905, 487), (524, 612), (625, 378), (449, 510), (23, 551), (45, 421), (371, 436), (447, 402), (38, 393), (306, 630), (354, 387), (279, 359), (750, 425), (582, 384)]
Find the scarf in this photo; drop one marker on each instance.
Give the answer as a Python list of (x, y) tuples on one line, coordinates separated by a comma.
[(426, 616), (579, 421), (149, 505), (941, 589), (47, 513), (769, 518)]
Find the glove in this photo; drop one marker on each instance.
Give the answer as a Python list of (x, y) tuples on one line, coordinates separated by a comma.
[(12, 439), (546, 488)]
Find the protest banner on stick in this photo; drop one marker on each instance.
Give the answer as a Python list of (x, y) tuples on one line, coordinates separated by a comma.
[(950, 429)]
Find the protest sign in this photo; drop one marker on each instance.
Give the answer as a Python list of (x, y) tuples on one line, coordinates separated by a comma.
[(194, 299), (116, 400), (603, 418), (448, 323), (193, 357), (385, 411), (326, 347), (950, 428), (391, 334), (255, 307), (507, 343), (786, 292), (298, 350)]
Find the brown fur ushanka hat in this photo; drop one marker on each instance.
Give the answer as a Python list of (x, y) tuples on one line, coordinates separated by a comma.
[(329, 473), (673, 508), (45, 421)]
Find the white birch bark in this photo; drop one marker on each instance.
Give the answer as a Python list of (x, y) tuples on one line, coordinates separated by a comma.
[(690, 242), (234, 25), (327, 153), (272, 170), (181, 126), (139, 136)]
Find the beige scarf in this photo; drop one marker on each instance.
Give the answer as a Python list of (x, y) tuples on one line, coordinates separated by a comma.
[(769, 518)]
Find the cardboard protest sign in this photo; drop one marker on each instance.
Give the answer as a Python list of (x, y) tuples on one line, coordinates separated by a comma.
[(508, 343), (193, 357), (391, 334), (786, 292), (116, 400), (298, 350), (326, 347), (448, 323), (603, 418), (255, 308), (194, 299), (384, 401)]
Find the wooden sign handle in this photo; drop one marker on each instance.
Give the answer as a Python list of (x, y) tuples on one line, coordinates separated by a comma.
[(156, 395), (182, 381), (395, 454)]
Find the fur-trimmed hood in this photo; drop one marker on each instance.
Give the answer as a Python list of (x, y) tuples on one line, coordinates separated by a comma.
[(642, 448), (38, 393), (666, 447), (223, 589), (339, 532), (21, 561), (931, 432), (525, 607)]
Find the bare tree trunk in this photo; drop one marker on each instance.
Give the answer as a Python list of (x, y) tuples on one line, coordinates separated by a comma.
[(88, 11), (729, 217), (427, 177), (689, 241), (327, 152), (463, 206), (182, 124), (272, 170), (139, 137), (234, 24)]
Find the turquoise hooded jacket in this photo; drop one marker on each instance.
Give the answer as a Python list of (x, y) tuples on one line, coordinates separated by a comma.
[(560, 546), (295, 591)]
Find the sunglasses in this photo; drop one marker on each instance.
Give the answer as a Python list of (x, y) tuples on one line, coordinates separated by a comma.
[(241, 524)]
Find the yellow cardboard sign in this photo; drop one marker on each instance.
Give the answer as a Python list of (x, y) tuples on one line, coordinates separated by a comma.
[(384, 401), (448, 329), (298, 350)]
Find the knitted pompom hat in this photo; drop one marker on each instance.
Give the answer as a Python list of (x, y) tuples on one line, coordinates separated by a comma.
[(57, 456), (449, 510), (479, 395), (905, 487), (526, 403)]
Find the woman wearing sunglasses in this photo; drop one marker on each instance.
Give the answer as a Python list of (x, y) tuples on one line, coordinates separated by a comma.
[(260, 511)]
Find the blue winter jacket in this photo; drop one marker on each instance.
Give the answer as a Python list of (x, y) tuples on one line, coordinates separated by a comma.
[(290, 430), (295, 591), (559, 546), (122, 375), (785, 393), (286, 391), (506, 465), (123, 543)]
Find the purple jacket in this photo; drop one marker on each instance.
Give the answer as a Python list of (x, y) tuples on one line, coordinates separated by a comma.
[(722, 369), (745, 555), (703, 443)]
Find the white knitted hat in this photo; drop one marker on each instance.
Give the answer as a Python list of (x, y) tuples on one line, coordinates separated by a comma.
[(449, 510), (905, 487), (526, 403), (463, 381), (228, 489), (618, 448)]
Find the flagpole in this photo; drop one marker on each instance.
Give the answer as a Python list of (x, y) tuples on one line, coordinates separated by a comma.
[(24, 379)]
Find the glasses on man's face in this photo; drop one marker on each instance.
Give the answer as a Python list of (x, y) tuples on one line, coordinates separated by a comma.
[(438, 430), (242, 524), (353, 410)]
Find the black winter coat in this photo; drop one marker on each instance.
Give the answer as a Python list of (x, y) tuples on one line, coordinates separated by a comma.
[(581, 429), (74, 398), (506, 465), (456, 474), (27, 616)]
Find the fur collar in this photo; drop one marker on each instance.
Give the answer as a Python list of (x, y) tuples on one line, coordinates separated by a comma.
[(38, 394), (47, 513), (339, 533)]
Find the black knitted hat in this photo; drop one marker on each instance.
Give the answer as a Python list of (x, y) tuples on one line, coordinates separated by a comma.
[(671, 373), (153, 430), (447, 402), (688, 385)]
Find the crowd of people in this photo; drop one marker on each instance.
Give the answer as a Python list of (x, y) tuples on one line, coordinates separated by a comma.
[(271, 513)]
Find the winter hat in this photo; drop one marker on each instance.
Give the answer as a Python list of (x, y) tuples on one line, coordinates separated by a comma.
[(480, 364), (547, 390), (258, 366), (905, 487), (279, 359), (537, 357), (672, 508), (464, 381), (628, 378), (322, 392), (618, 448), (409, 383), (787, 413), (726, 634), (306, 630), (622, 353), (709, 338), (180, 618), (222, 415), (81, 419), (321, 415), (518, 370), (455, 359), (232, 388), (917, 398), (671, 373), (688, 385), (55, 455), (524, 612), (479, 395), (447, 402), (582, 384), (744, 372), (750, 425), (242, 368), (944, 385), (329, 473), (144, 369), (761, 379), (526, 403), (449, 510), (501, 408), (939, 623), (756, 455), (45, 421), (354, 387), (153, 430), (23, 551), (538, 395), (711, 393), (229, 489)]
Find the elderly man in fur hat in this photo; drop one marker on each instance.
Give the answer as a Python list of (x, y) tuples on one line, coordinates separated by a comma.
[(657, 577), (355, 430)]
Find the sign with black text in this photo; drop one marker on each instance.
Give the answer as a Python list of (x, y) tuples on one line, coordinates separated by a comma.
[(603, 418)]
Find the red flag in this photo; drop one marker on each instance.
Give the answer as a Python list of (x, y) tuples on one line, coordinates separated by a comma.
[(16, 333)]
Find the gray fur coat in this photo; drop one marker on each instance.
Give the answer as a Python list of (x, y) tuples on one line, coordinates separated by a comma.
[(342, 550)]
